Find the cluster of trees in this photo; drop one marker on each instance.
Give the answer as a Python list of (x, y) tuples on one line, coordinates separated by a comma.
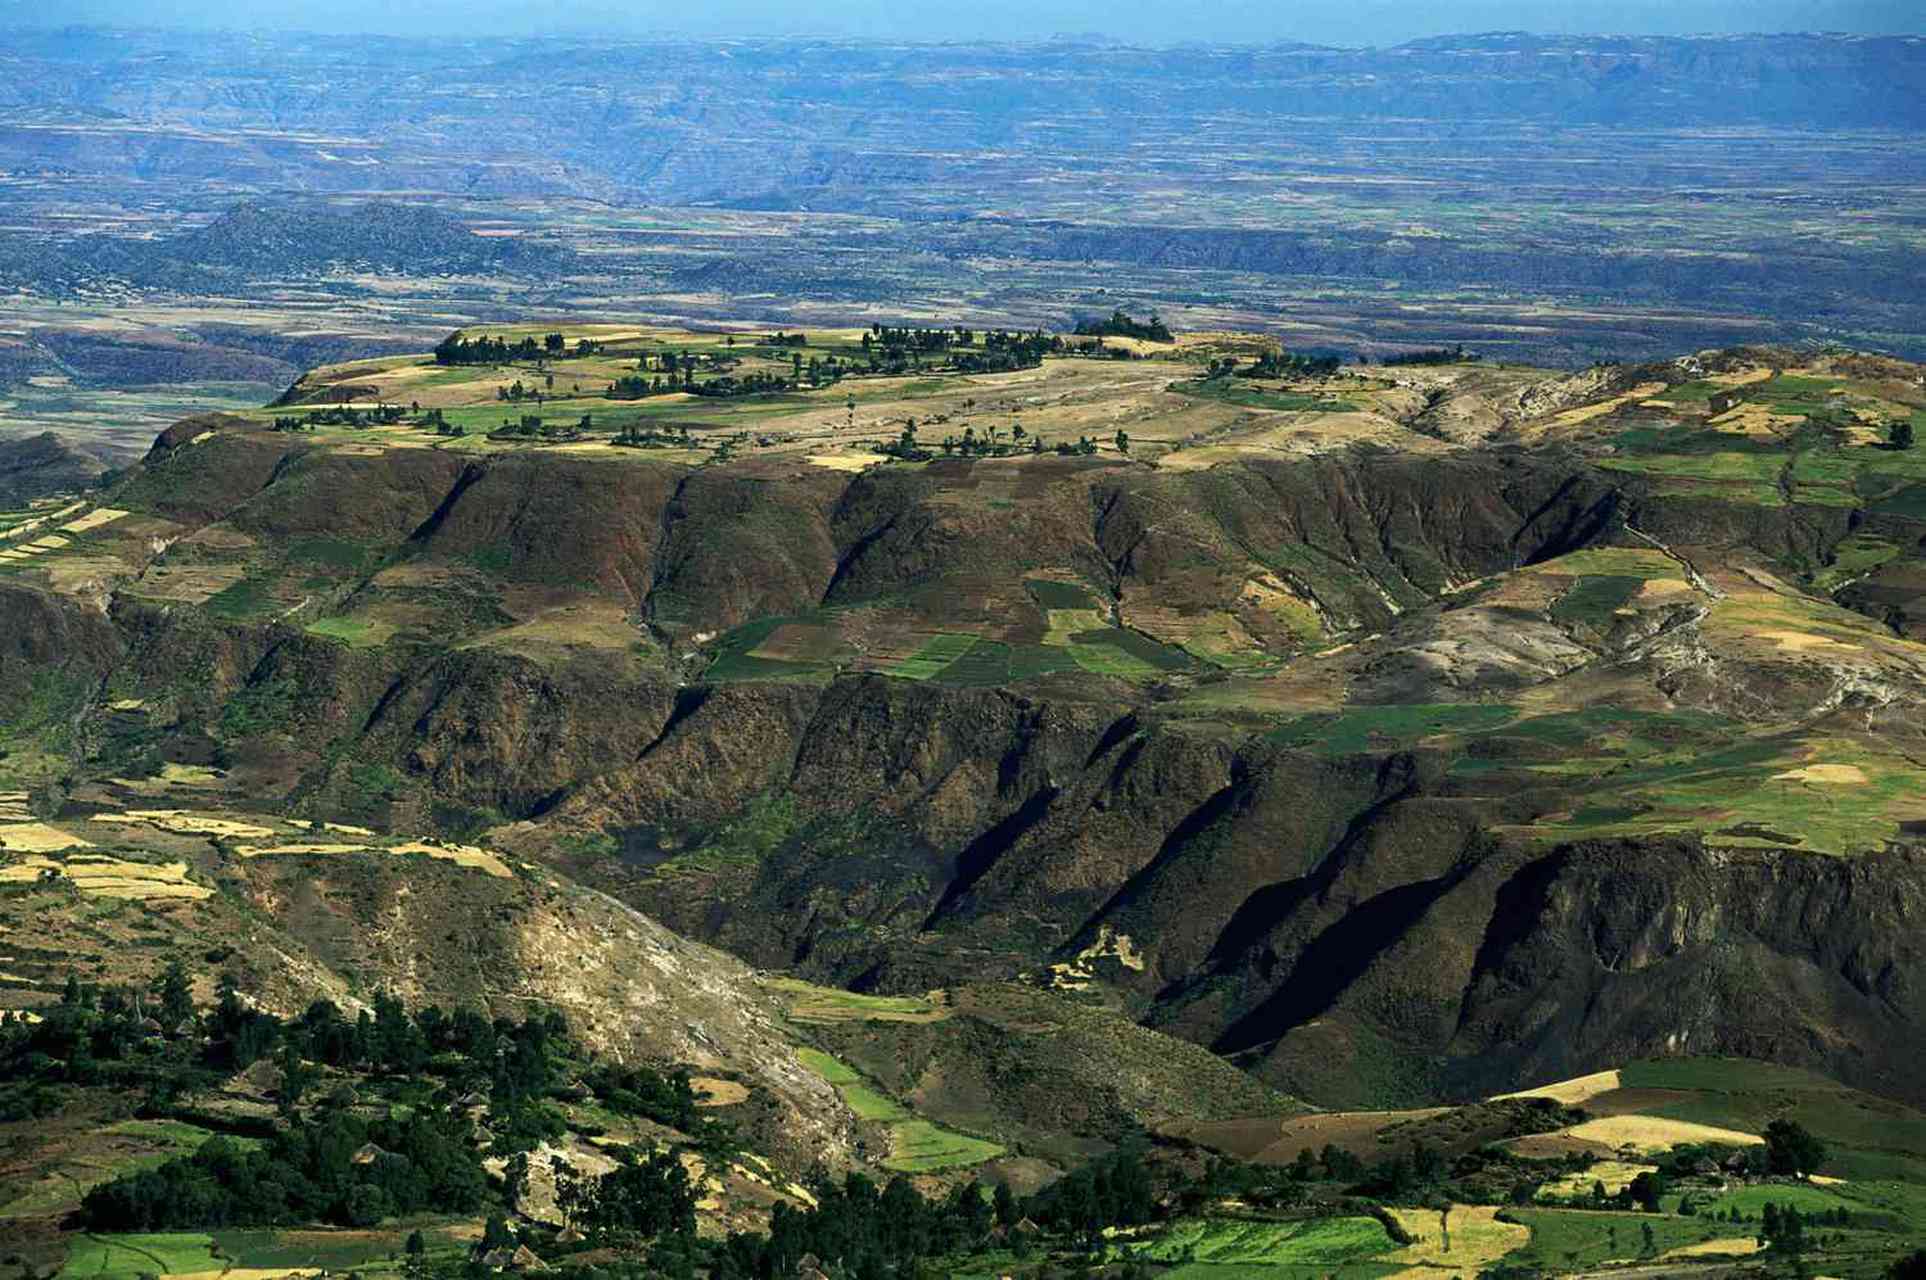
[(634, 435), (1121, 324), (340, 415), (894, 350), (641, 1199), (1290, 364), (532, 427), (1784, 1228), (1433, 355), (1792, 1150), (1900, 435), (638, 386), (891, 339), (130, 1037), (781, 339), (516, 392), (322, 1166), (438, 420), (872, 1232), (992, 444), (754, 383), (334, 1167), (455, 349)]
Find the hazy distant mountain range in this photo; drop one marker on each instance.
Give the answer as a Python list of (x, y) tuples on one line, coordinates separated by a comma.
[(1775, 184)]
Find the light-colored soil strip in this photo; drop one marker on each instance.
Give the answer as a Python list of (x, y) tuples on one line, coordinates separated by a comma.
[(93, 520), (1571, 1092), (1732, 1246), (1838, 775), (461, 855), (110, 877), (184, 822)]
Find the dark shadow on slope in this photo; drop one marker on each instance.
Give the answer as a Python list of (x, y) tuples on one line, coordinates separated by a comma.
[(983, 852)]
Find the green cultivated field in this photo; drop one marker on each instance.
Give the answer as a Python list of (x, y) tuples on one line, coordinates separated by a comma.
[(126, 1257), (1232, 1242)]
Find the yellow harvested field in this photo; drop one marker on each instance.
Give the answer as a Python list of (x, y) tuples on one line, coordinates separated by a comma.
[(186, 822), (188, 775), (1650, 1134), (1615, 1174), (1574, 1091), (1658, 590), (461, 855), (244, 1273), (711, 1092), (1585, 413), (38, 837), (1838, 775), (110, 877), (1805, 642), (1065, 623), (1753, 419), (94, 519), (1478, 1239), (52, 542), (339, 828), (1729, 1246), (13, 807)]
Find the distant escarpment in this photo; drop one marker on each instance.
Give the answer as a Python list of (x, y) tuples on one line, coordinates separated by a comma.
[(1582, 726)]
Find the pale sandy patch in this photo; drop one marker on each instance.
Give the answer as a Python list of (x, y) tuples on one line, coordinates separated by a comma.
[(1804, 641), (711, 1092), (1730, 1246), (1831, 774), (52, 542), (842, 461), (38, 837), (1571, 1092), (1656, 590), (1648, 1134)]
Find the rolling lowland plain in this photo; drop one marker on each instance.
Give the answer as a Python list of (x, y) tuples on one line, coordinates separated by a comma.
[(976, 758)]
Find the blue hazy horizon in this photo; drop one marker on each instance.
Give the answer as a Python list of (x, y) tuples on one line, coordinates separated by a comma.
[(1331, 22)]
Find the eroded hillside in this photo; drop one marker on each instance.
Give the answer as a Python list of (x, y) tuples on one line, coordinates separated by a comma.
[(1401, 733)]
